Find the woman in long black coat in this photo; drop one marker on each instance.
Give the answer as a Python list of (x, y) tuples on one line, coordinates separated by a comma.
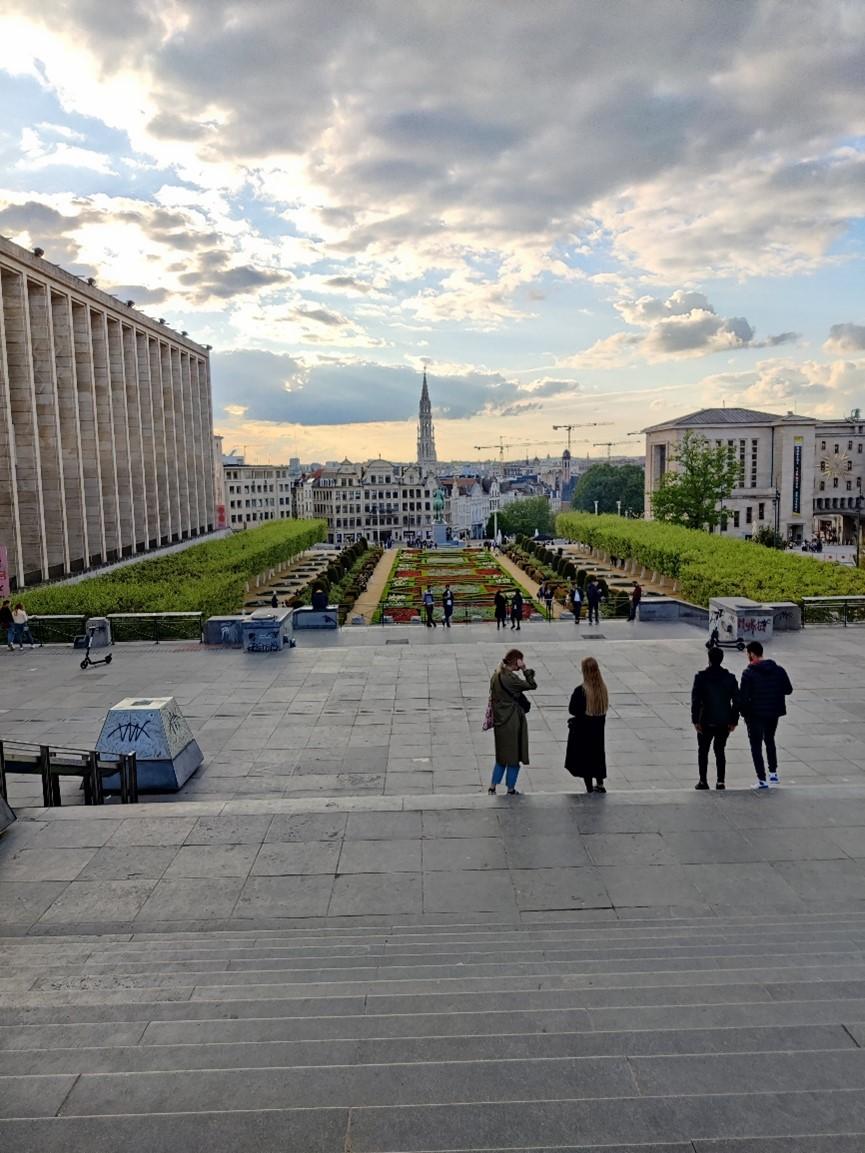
[(585, 755)]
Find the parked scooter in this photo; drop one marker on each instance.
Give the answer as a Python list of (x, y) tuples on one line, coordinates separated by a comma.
[(714, 642), (88, 660)]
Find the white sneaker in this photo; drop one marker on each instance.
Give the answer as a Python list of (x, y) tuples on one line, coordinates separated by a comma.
[(774, 778), (760, 785)]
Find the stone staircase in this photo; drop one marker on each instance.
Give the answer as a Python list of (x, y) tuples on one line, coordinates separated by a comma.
[(669, 1035)]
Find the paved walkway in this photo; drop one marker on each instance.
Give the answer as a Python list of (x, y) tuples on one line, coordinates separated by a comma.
[(526, 581), (368, 601)]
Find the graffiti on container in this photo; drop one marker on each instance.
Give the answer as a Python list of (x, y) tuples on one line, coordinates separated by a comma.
[(130, 731)]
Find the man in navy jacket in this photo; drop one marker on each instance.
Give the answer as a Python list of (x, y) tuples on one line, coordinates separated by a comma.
[(714, 714), (763, 700)]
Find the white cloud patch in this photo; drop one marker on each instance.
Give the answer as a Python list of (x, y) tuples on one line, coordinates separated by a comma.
[(845, 338), (810, 387)]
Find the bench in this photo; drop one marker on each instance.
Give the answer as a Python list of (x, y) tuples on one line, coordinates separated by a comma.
[(50, 764)]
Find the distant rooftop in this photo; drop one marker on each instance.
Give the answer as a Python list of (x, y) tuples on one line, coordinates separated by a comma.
[(711, 417)]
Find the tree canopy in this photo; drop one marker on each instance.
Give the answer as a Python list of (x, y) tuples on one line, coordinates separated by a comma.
[(608, 483), (692, 494), (522, 517)]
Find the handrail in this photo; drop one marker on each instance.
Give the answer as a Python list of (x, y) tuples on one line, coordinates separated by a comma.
[(851, 609)]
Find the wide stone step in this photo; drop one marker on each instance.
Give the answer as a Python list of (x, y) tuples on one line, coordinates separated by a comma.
[(41, 1052)]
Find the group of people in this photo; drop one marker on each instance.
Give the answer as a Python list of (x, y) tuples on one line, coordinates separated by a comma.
[(717, 702), (505, 609), (429, 605), (15, 623)]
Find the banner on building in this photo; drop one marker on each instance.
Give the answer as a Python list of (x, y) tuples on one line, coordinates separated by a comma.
[(4, 571), (798, 441), (220, 516)]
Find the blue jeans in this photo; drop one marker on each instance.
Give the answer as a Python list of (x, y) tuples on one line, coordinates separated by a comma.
[(499, 771)]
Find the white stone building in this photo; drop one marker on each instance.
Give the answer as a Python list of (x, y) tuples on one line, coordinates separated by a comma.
[(839, 477), (776, 458), (105, 425), (256, 493), (470, 501)]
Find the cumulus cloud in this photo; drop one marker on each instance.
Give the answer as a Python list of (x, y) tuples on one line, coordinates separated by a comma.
[(846, 338), (810, 387), (683, 325)]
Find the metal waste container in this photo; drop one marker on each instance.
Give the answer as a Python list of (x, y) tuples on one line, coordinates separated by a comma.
[(101, 630)]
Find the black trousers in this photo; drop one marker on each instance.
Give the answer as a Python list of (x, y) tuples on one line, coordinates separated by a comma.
[(717, 735), (593, 613), (761, 730), (430, 620)]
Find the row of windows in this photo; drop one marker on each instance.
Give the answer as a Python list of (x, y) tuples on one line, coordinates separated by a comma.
[(835, 484), (836, 448)]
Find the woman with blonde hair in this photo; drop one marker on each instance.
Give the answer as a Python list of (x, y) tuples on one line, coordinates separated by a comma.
[(585, 756)]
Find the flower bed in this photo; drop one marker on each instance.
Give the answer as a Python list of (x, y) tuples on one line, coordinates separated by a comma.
[(473, 575)]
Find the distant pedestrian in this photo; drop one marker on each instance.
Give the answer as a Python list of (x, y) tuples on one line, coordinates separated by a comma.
[(319, 601), (516, 610), (501, 610), (7, 625), (576, 603), (634, 602), (22, 627), (548, 599), (593, 596), (510, 727), (274, 601), (447, 606), (762, 702), (429, 608), (714, 714), (585, 755)]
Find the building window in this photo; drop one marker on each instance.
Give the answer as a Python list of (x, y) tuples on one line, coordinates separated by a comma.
[(823, 445), (822, 486), (834, 481), (761, 511), (822, 465), (836, 450), (859, 446), (849, 445), (736, 519), (849, 485), (849, 465), (749, 515)]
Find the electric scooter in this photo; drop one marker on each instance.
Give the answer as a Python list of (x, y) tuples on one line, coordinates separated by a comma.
[(714, 642), (88, 660)]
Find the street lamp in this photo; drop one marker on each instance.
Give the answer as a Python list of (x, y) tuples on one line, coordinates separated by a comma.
[(858, 526), (776, 501), (596, 508), (618, 508)]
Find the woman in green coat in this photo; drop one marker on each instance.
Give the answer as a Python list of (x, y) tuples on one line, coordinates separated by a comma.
[(511, 730)]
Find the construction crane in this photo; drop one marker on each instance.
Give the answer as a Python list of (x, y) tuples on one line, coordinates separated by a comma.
[(609, 444), (503, 444), (571, 427)]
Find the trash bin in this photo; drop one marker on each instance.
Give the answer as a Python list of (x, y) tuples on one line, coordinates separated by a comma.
[(101, 630), (266, 631)]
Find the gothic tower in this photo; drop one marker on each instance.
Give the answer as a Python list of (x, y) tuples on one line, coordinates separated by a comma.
[(426, 442)]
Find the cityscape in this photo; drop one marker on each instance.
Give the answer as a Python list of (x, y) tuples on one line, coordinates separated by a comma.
[(432, 582)]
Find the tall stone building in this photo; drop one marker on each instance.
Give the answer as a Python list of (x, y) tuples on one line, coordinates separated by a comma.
[(426, 440), (105, 425)]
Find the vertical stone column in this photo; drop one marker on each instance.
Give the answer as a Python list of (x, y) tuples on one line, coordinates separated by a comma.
[(10, 534), (183, 448), (120, 422), (171, 442), (148, 438), (160, 440), (70, 433), (56, 541), (22, 401), (137, 454), (105, 427), (89, 433), (193, 443), (207, 424)]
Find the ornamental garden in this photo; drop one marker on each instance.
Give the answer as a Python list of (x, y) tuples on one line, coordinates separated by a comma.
[(474, 576)]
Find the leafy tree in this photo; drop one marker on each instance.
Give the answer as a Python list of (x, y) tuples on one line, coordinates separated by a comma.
[(692, 495), (607, 483), (767, 536), (522, 517)]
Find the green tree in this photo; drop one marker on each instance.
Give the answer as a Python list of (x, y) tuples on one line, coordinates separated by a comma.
[(608, 483), (767, 536), (693, 493), (524, 516)]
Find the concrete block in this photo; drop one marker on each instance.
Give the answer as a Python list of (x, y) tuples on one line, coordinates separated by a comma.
[(307, 618), (155, 730)]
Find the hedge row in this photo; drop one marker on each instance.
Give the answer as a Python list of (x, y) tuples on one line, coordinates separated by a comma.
[(707, 565), (207, 577)]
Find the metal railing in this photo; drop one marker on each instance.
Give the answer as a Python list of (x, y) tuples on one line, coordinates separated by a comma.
[(56, 630), (51, 762), (833, 611), (157, 627)]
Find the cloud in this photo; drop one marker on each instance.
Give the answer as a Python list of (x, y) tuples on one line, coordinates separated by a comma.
[(683, 325), (810, 387), (348, 284), (846, 338)]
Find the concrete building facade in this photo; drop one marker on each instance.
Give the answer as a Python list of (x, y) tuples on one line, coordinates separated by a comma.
[(840, 477), (255, 493), (105, 425)]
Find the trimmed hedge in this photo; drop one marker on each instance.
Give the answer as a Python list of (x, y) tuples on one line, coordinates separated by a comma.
[(708, 565), (207, 577)]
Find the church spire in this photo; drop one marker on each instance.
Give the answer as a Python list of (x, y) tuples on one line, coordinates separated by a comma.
[(426, 445)]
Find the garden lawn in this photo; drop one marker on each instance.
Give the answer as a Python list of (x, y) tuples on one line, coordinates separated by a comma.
[(473, 574)]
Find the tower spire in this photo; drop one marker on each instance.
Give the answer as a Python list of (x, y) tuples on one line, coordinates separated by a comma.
[(426, 445)]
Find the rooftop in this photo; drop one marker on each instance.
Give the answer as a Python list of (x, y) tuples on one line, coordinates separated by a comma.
[(712, 417)]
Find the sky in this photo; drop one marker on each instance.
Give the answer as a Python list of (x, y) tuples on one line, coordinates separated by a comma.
[(569, 212)]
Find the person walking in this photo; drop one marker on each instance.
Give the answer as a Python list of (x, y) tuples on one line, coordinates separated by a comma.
[(593, 596), (516, 610), (634, 604), (714, 714), (510, 727), (585, 755), (7, 625), (576, 603), (429, 605), (22, 627), (447, 606), (548, 599), (762, 702), (501, 610)]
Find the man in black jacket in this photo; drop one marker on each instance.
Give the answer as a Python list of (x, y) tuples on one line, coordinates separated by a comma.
[(714, 714), (762, 700)]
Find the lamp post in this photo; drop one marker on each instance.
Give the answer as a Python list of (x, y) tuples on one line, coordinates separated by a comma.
[(858, 526), (618, 508), (596, 508), (776, 501)]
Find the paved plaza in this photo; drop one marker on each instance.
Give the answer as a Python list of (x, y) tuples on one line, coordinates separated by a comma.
[(333, 939)]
